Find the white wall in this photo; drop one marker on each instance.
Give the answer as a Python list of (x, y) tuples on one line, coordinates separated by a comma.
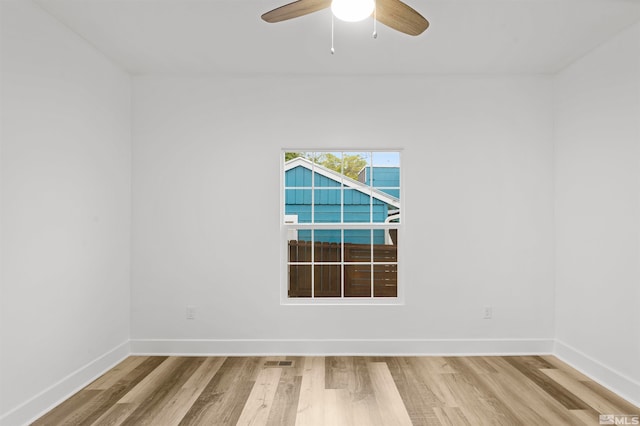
[(66, 160), (597, 132), (478, 210)]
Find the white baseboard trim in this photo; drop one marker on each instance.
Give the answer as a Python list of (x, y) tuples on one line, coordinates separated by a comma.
[(396, 347), (44, 401), (606, 376)]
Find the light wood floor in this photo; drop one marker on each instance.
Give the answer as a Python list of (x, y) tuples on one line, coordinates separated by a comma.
[(383, 391)]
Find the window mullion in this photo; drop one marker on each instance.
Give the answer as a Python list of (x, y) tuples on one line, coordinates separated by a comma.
[(342, 283), (371, 266), (313, 263), (347, 225), (342, 263), (313, 232)]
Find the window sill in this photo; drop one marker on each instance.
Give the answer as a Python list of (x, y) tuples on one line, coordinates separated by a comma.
[(346, 301)]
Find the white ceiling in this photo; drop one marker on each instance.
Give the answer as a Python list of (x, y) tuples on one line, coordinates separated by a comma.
[(465, 36)]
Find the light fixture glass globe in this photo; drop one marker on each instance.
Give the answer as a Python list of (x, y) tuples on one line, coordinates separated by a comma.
[(352, 10)]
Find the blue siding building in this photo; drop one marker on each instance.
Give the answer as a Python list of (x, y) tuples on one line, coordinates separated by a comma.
[(386, 178), (327, 193)]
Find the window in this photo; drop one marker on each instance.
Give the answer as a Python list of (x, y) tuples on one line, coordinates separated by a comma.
[(341, 215)]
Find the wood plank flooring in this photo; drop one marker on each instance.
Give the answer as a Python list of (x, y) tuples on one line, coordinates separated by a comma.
[(335, 391)]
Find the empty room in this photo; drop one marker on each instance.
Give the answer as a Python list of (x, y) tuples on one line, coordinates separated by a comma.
[(371, 212)]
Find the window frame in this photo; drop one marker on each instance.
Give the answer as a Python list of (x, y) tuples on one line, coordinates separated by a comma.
[(286, 228)]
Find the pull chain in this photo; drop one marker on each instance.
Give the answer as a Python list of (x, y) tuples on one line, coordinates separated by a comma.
[(375, 10), (332, 25)]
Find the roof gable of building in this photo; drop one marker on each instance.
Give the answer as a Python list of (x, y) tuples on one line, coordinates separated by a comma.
[(338, 177)]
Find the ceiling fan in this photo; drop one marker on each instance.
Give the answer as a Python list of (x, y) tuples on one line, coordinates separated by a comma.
[(392, 13)]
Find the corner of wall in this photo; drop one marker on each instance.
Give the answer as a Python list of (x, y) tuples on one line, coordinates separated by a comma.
[(606, 376), (52, 396)]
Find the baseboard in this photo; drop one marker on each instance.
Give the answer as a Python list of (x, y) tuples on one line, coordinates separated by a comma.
[(608, 377), (44, 401), (396, 347)]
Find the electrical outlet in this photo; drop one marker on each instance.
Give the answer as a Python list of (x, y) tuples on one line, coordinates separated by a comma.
[(191, 312), (488, 312)]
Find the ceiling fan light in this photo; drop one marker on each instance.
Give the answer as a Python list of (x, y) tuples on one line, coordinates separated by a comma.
[(352, 10)]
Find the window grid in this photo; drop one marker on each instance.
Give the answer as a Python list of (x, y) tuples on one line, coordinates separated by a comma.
[(342, 225)]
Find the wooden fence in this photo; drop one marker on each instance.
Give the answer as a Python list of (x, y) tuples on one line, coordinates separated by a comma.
[(357, 278)]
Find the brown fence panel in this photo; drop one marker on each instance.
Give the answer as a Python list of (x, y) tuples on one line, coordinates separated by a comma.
[(299, 251), (384, 253), (357, 278), (327, 280), (385, 280), (299, 280)]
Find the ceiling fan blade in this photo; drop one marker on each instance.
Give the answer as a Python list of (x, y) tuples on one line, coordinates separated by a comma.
[(399, 16), (295, 9)]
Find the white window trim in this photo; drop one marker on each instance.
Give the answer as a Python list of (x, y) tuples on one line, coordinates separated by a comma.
[(286, 229)]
